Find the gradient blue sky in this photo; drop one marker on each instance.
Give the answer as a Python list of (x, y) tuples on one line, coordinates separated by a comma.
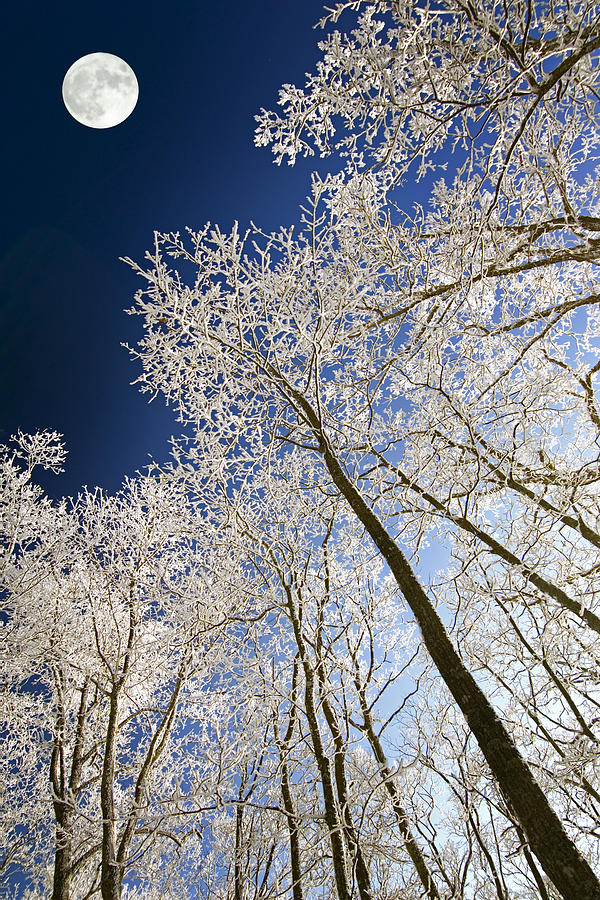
[(75, 199)]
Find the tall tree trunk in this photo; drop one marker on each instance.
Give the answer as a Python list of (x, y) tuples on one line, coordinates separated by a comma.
[(558, 855), (63, 850), (113, 868), (64, 792), (363, 880), (238, 880), (111, 874), (293, 831), (63, 855), (332, 815), (402, 820), (283, 745)]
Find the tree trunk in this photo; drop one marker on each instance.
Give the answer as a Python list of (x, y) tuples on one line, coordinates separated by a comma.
[(412, 848), (63, 856), (238, 880), (111, 874), (558, 855), (332, 816), (363, 880), (65, 793), (283, 745), (293, 831)]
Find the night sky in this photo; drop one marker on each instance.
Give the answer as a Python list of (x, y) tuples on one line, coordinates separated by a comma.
[(75, 199)]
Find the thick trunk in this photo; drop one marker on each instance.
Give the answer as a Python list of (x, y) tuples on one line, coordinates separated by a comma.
[(558, 855), (63, 856)]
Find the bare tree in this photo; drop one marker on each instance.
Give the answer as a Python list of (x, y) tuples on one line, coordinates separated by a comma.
[(419, 362), (376, 383), (112, 626)]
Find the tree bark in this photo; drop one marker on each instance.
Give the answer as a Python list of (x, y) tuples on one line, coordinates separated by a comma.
[(332, 815), (293, 831), (64, 794), (238, 880), (283, 745), (111, 874), (363, 880), (412, 848), (63, 856), (558, 855)]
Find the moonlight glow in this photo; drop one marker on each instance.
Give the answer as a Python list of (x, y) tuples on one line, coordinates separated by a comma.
[(100, 90)]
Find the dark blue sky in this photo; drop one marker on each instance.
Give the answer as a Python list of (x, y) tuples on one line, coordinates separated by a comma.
[(74, 199)]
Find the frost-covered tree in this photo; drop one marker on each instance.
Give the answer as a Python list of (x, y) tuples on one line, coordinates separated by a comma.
[(434, 366), (237, 678), (113, 631)]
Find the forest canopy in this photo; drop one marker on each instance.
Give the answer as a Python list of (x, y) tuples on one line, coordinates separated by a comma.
[(346, 643)]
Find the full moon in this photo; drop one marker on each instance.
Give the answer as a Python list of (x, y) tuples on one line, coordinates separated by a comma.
[(100, 90)]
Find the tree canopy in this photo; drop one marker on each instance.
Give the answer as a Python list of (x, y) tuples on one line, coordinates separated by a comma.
[(346, 643)]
